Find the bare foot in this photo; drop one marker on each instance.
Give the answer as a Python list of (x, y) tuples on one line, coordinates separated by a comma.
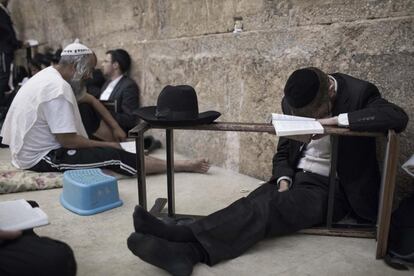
[(196, 165)]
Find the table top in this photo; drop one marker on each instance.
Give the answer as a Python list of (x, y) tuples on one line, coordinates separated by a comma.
[(246, 127)]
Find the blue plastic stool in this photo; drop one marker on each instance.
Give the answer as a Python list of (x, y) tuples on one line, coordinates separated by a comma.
[(89, 191)]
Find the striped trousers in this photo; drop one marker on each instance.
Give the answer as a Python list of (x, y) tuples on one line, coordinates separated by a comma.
[(62, 159)]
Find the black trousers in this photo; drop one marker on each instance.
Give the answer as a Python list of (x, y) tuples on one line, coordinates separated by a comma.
[(5, 62), (90, 118), (62, 159), (264, 213), (34, 255)]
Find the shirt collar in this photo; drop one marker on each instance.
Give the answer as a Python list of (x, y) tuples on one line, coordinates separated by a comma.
[(115, 81), (5, 9), (335, 83)]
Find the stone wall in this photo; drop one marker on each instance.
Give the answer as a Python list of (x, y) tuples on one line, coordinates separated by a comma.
[(241, 75)]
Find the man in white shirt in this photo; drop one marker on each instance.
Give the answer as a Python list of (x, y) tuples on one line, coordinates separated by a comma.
[(44, 129)]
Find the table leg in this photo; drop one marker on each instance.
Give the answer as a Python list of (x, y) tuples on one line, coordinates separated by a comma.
[(142, 187), (332, 180), (387, 193), (170, 172)]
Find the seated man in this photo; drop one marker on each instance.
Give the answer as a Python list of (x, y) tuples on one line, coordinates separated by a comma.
[(296, 195), (44, 130), (120, 90), (25, 253)]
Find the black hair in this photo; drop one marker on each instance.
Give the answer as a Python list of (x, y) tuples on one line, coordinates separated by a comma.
[(42, 59), (56, 56), (122, 57), (94, 84), (35, 63)]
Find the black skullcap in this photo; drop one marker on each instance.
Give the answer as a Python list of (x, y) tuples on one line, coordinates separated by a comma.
[(301, 87)]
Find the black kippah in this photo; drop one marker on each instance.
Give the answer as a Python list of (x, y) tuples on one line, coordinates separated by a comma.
[(301, 87)]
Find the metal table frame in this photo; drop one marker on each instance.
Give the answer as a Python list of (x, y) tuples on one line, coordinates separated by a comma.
[(380, 232)]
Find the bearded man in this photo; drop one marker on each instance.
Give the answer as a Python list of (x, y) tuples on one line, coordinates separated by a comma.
[(44, 130)]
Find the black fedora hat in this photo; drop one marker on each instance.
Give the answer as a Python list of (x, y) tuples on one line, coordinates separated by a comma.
[(177, 106)]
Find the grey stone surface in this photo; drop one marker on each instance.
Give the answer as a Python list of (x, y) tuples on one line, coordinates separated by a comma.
[(240, 75)]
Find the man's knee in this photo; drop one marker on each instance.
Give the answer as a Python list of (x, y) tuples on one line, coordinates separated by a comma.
[(60, 256), (32, 255)]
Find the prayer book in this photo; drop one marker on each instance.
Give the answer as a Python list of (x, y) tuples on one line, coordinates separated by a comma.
[(20, 215), (409, 166), (287, 125)]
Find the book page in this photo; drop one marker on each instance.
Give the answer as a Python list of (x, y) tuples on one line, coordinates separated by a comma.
[(284, 117), (129, 146), (19, 215), (409, 166), (286, 128)]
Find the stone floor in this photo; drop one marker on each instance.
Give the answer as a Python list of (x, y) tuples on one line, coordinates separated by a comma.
[(99, 241)]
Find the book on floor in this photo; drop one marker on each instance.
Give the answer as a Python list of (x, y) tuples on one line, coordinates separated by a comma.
[(287, 125), (20, 215)]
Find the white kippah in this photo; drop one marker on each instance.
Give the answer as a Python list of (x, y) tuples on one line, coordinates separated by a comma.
[(75, 49)]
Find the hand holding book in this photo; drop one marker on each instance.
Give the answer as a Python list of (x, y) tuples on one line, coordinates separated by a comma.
[(10, 235), (332, 121), (20, 215), (286, 125)]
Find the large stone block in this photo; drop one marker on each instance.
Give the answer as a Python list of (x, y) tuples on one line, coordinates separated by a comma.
[(240, 75), (103, 22)]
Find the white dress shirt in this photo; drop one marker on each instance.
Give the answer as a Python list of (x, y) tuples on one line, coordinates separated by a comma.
[(108, 91)]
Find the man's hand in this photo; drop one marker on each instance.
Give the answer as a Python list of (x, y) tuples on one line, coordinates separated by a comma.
[(119, 134), (332, 121), (114, 145), (283, 185), (10, 235)]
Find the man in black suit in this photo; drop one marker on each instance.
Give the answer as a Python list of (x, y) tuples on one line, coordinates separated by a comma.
[(296, 195), (8, 44), (120, 88)]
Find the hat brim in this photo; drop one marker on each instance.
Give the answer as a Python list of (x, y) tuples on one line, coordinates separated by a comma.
[(148, 114)]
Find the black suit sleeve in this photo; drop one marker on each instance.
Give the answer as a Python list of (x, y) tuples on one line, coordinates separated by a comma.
[(8, 40), (281, 160), (125, 115), (377, 114)]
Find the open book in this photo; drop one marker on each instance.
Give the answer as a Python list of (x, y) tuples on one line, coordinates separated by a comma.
[(287, 125), (409, 166), (129, 146), (20, 215)]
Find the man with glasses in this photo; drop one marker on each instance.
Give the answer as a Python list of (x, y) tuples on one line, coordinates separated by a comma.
[(120, 91), (296, 195)]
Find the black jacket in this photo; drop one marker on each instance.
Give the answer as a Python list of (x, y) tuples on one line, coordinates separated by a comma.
[(357, 166), (126, 94), (8, 40)]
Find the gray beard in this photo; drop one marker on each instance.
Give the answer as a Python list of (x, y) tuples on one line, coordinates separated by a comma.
[(78, 87)]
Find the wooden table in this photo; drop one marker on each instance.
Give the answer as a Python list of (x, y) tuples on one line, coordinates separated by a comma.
[(380, 231)]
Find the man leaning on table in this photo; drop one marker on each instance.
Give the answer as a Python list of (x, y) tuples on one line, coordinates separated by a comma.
[(296, 195)]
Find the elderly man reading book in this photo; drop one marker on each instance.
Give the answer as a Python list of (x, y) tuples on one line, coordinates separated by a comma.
[(44, 130), (296, 195)]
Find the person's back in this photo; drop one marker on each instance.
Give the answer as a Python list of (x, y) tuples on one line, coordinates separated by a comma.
[(26, 127)]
